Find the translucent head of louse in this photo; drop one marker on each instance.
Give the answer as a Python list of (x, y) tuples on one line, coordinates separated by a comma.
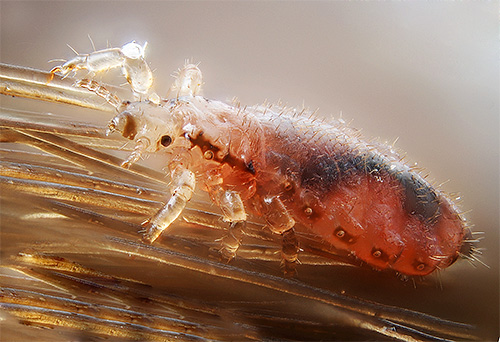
[(154, 124), (149, 125)]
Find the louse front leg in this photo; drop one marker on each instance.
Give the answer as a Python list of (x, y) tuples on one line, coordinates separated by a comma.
[(280, 222), (130, 57), (183, 184)]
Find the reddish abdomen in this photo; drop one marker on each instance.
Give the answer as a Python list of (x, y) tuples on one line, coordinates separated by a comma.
[(381, 211)]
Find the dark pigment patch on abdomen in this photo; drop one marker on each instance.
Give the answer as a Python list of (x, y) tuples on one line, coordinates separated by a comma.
[(326, 173), (420, 199)]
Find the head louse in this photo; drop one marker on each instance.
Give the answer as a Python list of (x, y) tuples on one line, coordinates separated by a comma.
[(356, 195)]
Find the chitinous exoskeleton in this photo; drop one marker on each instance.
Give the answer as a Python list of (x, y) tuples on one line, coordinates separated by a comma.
[(285, 166)]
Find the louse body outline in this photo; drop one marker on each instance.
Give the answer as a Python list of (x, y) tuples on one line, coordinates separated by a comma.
[(283, 165)]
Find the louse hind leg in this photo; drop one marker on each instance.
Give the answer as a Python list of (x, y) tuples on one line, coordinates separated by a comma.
[(280, 222), (183, 184)]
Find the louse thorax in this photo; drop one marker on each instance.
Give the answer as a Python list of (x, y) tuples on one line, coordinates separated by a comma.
[(227, 140)]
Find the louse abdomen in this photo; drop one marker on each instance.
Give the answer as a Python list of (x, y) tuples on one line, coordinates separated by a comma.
[(376, 208)]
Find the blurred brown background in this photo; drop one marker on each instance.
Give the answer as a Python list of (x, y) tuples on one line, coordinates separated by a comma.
[(424, 72)]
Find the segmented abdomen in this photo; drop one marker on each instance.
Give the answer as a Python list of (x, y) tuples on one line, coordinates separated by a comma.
[(359, 197)]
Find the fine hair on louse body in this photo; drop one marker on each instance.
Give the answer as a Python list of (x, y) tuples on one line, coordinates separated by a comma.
[(287, 167)]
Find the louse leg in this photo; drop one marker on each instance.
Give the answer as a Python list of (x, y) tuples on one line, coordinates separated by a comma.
[(231, 242), (289, 252), (280, 222), (183, 181), (140, 147), (233, 211), (130, 57), (100, 90), (187, 82), (30, 83)]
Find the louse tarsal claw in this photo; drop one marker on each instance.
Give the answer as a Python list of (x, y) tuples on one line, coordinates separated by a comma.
[(52, 73), (111, 128), (55, 70)]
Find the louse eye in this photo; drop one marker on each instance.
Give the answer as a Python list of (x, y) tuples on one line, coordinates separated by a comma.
[(166, 140)]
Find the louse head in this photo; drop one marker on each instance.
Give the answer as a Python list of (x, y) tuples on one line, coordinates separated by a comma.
[(150, 126)]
